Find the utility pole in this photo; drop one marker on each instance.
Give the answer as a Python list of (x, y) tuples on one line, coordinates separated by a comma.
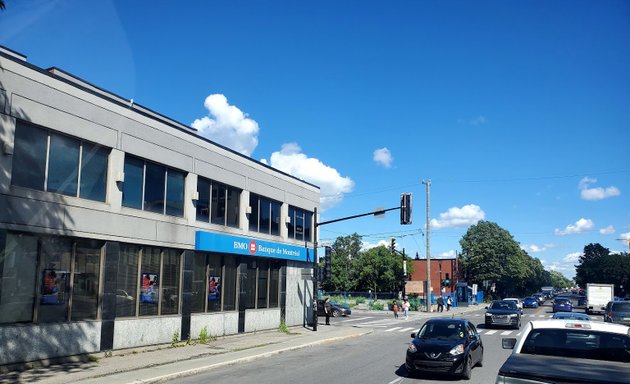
[(428, 289), (315, 271)]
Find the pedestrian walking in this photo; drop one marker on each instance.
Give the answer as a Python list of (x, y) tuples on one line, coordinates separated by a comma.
[(327, 310), (449, 302), (395, 308), (440, 304), (406, 306)]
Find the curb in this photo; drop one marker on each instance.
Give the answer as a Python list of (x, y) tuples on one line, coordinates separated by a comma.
[(211, 366)]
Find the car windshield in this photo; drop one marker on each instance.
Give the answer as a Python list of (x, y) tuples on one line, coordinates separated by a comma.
[(529, 298), (442, 330), (562, 301), (503, 305), (621, 307), (584, 344)]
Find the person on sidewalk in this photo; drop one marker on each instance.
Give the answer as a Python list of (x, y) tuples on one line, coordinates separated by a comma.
[(449, 302), (395, 308), (405, 306), (440, 304), (327, 310)]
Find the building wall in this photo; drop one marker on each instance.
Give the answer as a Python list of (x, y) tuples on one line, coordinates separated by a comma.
[(63, 104), (444, 265)]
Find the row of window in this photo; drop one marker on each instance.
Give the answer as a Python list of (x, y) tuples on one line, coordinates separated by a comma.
[(52, 162), (55, 279)]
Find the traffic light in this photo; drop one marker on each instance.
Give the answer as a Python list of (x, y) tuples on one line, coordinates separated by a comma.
[(447, 281), (405, 208), (328, 262), (392, 246)]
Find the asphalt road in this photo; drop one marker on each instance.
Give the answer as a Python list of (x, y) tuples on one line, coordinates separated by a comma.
[(375, 358)]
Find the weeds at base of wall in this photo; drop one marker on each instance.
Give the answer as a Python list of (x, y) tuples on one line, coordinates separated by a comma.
[(283, 327)]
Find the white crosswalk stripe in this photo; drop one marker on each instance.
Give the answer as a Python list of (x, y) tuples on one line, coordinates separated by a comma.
[(505, 333), (347, 320), (392, 329), (492, 332), (406, 329)]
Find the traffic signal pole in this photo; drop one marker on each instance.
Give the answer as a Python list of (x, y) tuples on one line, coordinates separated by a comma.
[(405, 205)]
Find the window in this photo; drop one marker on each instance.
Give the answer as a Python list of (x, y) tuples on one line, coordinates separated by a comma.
[(86, 272), (18, 261), (153, 187), (170, 287), (199, 283), (150, 281), (229, 284), (127, 280), (63, 176), (248, 285), (263, 278), (54, 283), (300, 224), (274, 284), (214, 283), (265, 216), (58, 163), (218, 203)]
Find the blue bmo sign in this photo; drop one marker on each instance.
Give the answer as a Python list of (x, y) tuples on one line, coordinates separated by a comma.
[(214, 242)]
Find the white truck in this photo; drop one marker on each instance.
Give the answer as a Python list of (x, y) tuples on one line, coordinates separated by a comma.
[(598, 295)]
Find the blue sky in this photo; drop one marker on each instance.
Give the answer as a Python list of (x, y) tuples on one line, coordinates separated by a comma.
[(518, 112)]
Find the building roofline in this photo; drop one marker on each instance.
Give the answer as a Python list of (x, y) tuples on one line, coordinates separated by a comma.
[(77, 82)]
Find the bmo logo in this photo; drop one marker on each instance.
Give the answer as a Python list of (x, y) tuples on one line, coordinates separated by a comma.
[(252, 247)]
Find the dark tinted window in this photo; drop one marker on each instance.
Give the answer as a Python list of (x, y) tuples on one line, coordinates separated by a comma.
[(621, 307), (63, 165), (93, 172), (584, 344), (29, 156)]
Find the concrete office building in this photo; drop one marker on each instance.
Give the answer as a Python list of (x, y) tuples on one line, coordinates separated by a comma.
[(121, 228)]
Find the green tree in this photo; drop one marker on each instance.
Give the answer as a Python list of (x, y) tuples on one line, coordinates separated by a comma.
[(345, 250), (490, 253), (589, 268), (378, 270), (558, 280)]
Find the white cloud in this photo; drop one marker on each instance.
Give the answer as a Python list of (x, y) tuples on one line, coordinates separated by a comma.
[(609, 230), (228, 125), (383, 157), (448, 254), (625, 236), (580, 226), (598, 193), (533, 248), (459, 217), (333, 186), (572, 258)]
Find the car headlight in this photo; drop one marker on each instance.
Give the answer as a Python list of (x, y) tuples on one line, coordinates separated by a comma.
[(513, 315), (458, 350), (488, 315), (412, 348)]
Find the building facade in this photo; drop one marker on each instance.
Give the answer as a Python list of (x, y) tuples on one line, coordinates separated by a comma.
[(121, 228), (443, 276)]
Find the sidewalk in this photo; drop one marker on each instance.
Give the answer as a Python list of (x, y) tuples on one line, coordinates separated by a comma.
[(161, 363)]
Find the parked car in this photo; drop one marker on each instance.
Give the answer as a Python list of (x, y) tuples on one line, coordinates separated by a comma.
[(568, 351), (540, 298), (530, 302), (502, 312), (519, 305), (618, 312), (571, 316), (562, 305), (337, 309), (445, 345)]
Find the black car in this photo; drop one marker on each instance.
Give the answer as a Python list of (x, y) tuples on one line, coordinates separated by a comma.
[(503, 312), (337, 309), (445, 345)]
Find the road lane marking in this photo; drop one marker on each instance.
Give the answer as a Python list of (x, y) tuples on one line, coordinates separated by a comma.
[(392, 329), (357, 319), (406, 329), (505, 333), (492, 332)]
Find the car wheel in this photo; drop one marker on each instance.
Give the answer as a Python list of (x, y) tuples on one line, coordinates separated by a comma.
[(336, 313), (467, 372), (480, 362)]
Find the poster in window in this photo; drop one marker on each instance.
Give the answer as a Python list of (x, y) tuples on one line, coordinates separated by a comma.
[(150, 288), (214, 288), (53, 287)]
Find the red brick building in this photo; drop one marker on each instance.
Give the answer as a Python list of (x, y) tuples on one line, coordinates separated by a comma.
[(440, 270)]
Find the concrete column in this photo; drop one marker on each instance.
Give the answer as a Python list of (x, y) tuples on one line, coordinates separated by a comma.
[(115, 179)]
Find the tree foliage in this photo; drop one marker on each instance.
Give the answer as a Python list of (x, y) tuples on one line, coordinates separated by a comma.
[(598, 265), (490, 253)]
